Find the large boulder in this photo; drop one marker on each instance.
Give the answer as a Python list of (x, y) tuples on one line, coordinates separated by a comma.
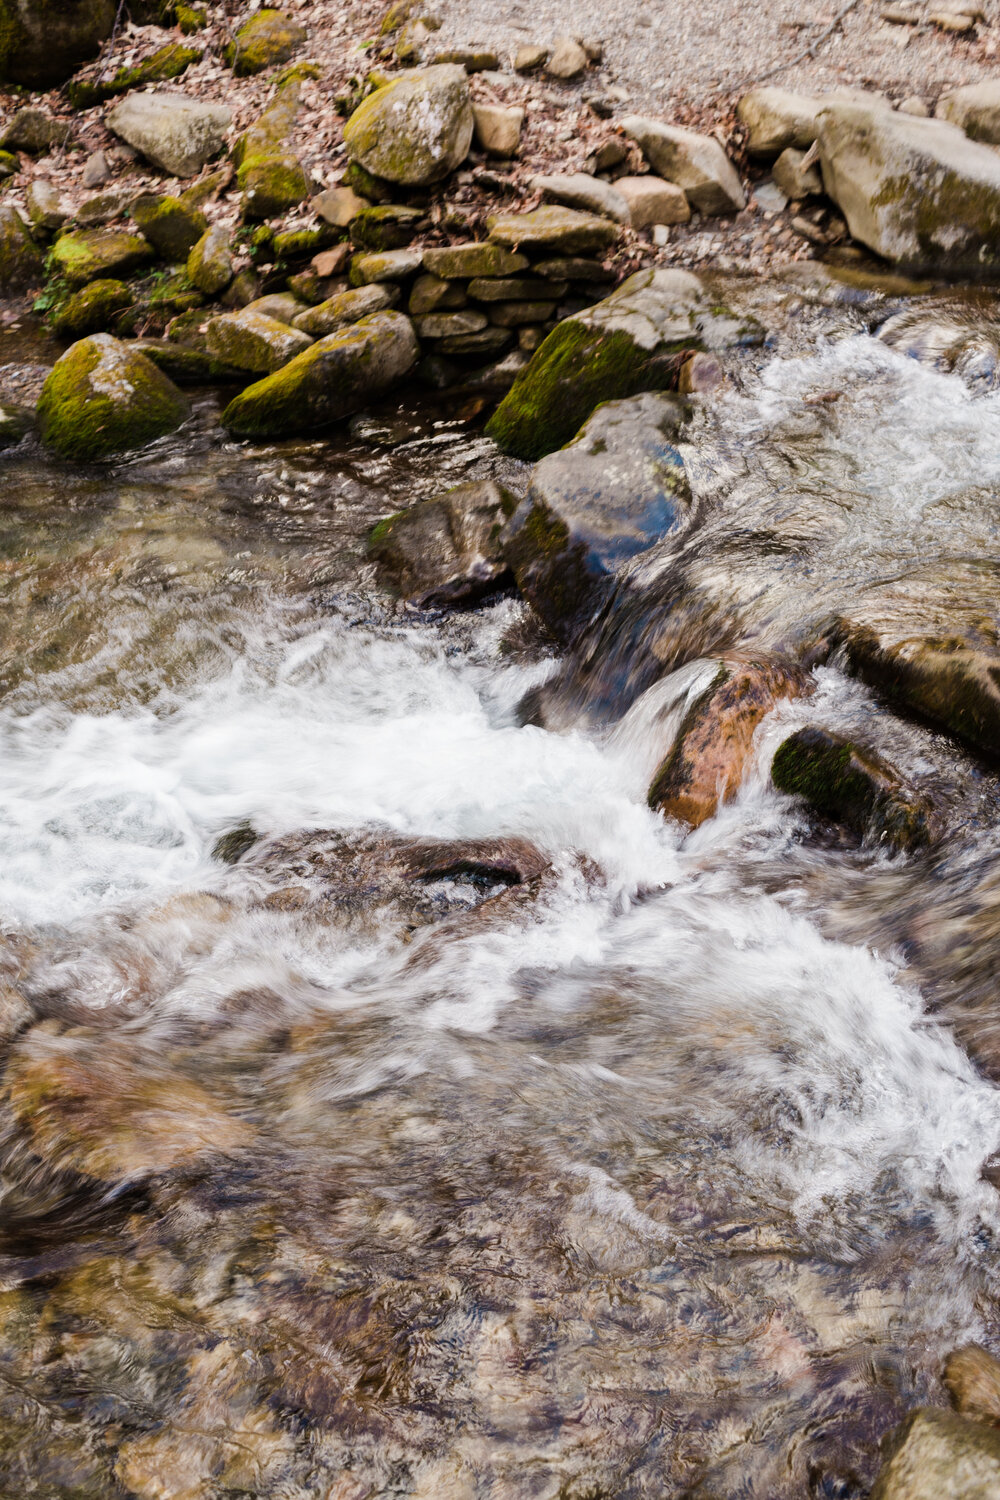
[(415, 131), (635, 340), (936, 1455), (446, 551), (778, 118), (43, 41), (20, 258), (33, 130), (696, 163), (176, 133), (916, 191), (95, 308), (613, 492), (329, 381), (102, 397), (974, 109)]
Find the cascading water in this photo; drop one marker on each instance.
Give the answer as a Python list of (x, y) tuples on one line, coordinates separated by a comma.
[(651, 1173)]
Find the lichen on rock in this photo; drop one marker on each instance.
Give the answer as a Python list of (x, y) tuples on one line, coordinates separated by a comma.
[(103, 397)]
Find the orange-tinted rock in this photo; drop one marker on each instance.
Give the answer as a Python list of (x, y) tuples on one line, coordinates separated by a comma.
[(972, 1377), (707, 761)]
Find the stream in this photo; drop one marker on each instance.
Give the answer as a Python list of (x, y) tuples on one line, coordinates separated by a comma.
[(655, 1169)]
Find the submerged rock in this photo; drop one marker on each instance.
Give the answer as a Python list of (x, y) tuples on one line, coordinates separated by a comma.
[(852, 785), (329, 381), (103, 397), (972, 1376), (446, 551), (174, 132), (415, 131), (936, 1455), (42, 43)]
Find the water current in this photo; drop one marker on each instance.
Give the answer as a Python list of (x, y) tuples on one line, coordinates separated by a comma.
[(658, 1172)]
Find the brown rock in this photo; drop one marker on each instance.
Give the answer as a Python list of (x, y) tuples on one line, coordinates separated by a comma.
[(338, 206), (529, 57), (651, 200), (568, 58), (972, 1377), (332, 262), (498, 128)]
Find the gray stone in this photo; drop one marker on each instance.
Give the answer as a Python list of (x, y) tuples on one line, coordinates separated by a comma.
[(20, 257), (389, 265), (345, 308), (974, 109), (338, 206), (433, 294), (580, 190), (176, 133), (498, 128), (650, 200), (696, 163), (415, 131), (777, 118), (568, 58), (250, 341), (443, 325), (516, 289), (792, 179), (45, 207), (34, 131), (552, 229), (96, 171), (446, 551), (210, 264)]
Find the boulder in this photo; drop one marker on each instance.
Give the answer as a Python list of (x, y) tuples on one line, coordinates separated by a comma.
[(282, 306), (616, 489), (416, 131), (936, 1455), (972, 1377), (917, 192), (344, 309), (498, 128), (171, 227), (974, 109), (15, 424), (102, 397), (267, 38), (34, 131), (176, 133), (271, 185), (41, 44), (93, 309), (446, 551), (650, 200), (85, 254), (210, 264), (329, 381), (271, 132), (580, 190), (20, 258), (564, 230), (248, 340), (455, 262), (164, 64), (432, 294), (852, 785), (777, 118), (696, 163)]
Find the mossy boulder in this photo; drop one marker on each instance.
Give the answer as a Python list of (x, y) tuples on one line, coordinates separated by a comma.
[(416, 131), (267, 38), (83, 255), (251, 341), (171, 227), (613, 492), (170, 294), (33, 130), (93, 309), (384, 227), (176, 133), (445, 551), (344, 309), (210, 263), (271, 185), (388, 265), (162, 65), (271, 131), (20, 257), (102, 397), (330, 381), (298, 244), (186, 365), (851, 785), (44, 42), (477, 258), (191, 18)]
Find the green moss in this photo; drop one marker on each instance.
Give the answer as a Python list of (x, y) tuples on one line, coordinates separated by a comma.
[(299, 244), (367, 185), (190, 18), (382, 532), (102, 397), (54, 43), (173, 228), (94, 309), (268, 135), (166, 63), (271, 185), (850, 785), (21, 263), (9, 164), (84, 255), (384, 228), (297, 73), (267, 38)]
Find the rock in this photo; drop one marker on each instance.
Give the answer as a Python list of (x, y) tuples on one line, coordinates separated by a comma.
[(271, 185), (392, 265), (34, 131), (580, 190), (271, 132), (650, 200), (700, 373), (950, 20), (974, 109), (609, 154), (472, 59), (414, 132), (166, 63), (248, 340), (9, 165), (42, 43), (777, 118), (514, 314), (444, 325), (103, 398), (793, 181), (487, 342), (171, 227), (176, 133), (709, 755), (281, 306), (455, 262), (446, 551), (93, 309), (851, 785), (45, 207), (20, 257), (329, 381), (571, 268), (498, 128), (630, 342), (295, 244), (917, 192), (387, 227), (432, 294), (338, 206), (914, 105), (104, 207), (696, 163), (567, 60), (529, 57), (267, 38), (615, 490), (83, 255), (210, 265), (553, 229), (96, 171), (936, 1455), (190, 18), (411, 43), (348, 307), (332, 262), (516, 289), (972, 1377), (15, 424)]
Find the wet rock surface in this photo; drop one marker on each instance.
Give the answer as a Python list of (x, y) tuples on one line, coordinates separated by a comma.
[(446, 551)]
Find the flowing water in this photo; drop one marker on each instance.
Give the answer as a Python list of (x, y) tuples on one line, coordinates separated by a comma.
[(616, 1161)]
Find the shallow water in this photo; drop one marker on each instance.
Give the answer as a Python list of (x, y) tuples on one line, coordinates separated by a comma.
[(658, 1173)]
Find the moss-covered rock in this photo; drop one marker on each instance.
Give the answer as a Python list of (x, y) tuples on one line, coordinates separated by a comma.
[(171, 227), (191, 18), (271, 185), (251, 341), (45, 207), (851, 785), (366, 185), (210, 263), (385, 227), (267, 38), (568, 231), (164, 64), (443, 325), (416, 131), (20, 257), (389, 265), (299, 244), (103, 397), (446, 551), (271, 131), (186, 365), (170, 293), (344, 309), (328, 382), (432, 294), (15, 424), (84, 255), (9, 164), (34, 131), (41, 44), (93, 309), (477, 258)]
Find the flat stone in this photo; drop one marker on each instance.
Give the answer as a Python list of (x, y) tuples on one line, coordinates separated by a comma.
[(453, 262), (444, 325), (567, 59), (551, 228), (769, 197), (433, 294), (696, 163), (651, 200), (472, 59), (392, 265), (529, 57), (572, 268), (516, 289), (104, 207), (84, 255), (580, 190), (176, 133), (282, 306), (488, 341), (250, 341), (344, 309), (514, 314), (498, 128)]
